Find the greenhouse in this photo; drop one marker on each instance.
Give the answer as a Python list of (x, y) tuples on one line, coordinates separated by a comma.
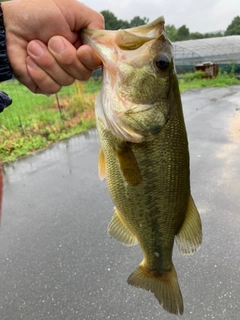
[(222, 50)]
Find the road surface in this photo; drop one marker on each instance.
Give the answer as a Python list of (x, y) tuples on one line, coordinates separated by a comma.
[(56, 259)]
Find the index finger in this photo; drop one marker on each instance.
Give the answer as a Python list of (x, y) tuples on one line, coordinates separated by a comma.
[(86, 17)]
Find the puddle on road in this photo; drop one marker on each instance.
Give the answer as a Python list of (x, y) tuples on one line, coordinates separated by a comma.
[(60, 151), (234, 127), (229, 151), (234, 123)]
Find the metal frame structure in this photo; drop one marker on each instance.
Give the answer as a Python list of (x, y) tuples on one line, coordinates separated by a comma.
[(221, 50)]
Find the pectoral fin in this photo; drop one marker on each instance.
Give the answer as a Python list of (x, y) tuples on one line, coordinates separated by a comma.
[(128, 164), (101, 165), (120, 232), (189, 237)]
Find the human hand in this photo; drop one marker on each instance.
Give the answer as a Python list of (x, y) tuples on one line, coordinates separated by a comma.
[(43, 43)]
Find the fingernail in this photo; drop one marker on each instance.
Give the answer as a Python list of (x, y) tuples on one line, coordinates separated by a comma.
[(31, 63), (57, 45), (36, 49)]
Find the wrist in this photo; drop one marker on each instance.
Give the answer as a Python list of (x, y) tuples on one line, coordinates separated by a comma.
[(5, 67)]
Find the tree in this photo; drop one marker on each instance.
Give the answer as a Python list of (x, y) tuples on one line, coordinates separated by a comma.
[(212, 35), (112, 22), (234, 27), (196, 35), (137, 21), (174, 34), (182, 33), (123, 24), (171, 32)]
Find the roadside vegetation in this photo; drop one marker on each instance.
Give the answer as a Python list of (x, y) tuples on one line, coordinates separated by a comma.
[(35, 121), (196, 80)]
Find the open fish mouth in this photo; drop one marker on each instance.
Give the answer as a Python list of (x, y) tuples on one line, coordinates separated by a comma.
[(124, 53), (129, 39)]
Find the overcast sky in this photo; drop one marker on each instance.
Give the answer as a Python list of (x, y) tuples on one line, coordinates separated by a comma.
[(198, 15)]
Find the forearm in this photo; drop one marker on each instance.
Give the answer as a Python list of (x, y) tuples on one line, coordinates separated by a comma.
[(5, 68)]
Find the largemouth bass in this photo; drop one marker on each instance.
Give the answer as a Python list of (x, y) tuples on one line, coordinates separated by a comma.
[(144, 154)]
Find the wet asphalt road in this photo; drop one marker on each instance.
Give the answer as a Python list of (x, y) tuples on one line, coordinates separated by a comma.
[(57, 261)]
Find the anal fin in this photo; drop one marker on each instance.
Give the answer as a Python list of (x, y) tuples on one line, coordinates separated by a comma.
[(189, 237), (120, 232)]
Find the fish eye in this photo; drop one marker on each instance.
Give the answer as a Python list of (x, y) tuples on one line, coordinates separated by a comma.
[(162, 62)]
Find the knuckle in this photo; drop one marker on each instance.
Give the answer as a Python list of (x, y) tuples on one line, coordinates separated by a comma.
[(85, 75), (67, 62), (50, 89), (68, 59), (47, 63), (45, 83), (67, 81)]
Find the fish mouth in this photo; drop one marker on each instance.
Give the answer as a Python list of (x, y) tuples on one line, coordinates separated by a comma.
[(150, 30), (127, 55), (104, 41)]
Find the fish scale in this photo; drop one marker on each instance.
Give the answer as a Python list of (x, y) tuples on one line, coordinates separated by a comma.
[(144, 154)]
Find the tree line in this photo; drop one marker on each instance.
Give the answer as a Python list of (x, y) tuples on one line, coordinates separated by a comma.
[(113, 23), (174, 34)]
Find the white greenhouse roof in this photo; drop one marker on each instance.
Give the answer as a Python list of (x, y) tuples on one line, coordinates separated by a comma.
[(220, 50)]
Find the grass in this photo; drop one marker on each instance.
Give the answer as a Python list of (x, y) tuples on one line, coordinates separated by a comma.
[(36, 121), (196, 80)]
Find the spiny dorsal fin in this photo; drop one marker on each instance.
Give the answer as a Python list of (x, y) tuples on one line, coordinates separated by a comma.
[(189, 237), (101, 165), (119, 231)]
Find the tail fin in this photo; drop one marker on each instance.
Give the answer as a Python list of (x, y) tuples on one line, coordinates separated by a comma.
[(164, 286)]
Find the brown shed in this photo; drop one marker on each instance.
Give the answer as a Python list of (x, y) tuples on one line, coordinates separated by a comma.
[(209, 68)]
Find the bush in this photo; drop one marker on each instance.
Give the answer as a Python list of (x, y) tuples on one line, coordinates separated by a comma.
[(197, 75)]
